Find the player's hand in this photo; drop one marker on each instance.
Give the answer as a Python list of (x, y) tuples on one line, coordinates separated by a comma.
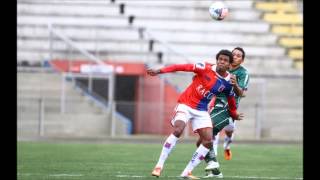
[(153, 72), (233, 79), (240, 116)]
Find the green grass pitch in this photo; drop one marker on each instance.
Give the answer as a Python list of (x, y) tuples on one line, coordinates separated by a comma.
[(93, 161)]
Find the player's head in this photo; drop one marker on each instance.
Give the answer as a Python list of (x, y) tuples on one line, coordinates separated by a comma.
[(227, 53), (224, 59), (238, 56)]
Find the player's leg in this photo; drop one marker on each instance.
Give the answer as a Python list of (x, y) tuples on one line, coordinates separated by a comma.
[(229, 135), (215, 143), (206, 142), (220, 119), (215, 172), (211, 158), (201, 123), (168, 145), (212, 169), (179, 123)]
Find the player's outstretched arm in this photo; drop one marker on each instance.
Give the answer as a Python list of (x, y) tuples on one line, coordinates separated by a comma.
[(171, 68), (153, 72)]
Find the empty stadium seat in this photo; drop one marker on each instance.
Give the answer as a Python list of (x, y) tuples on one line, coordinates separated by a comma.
[(286, 20), (291, 30)]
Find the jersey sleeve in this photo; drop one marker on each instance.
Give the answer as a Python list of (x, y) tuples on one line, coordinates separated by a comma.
[(201, 67), (232, 107), (231, 102), (177, 67), (243, 80), (197, 68)]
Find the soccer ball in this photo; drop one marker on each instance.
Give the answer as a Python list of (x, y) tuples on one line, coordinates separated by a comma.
[(218, 11)]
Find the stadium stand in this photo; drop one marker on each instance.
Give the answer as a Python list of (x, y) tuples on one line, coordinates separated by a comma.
[(142, 31), (80, 118), (198, 37), (101, 26), (93, 25), (286, 21)]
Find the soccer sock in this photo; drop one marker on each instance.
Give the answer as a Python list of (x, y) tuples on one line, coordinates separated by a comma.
[(197, 157), (215, 143), (227, 141), (166, 149), (211, 156)]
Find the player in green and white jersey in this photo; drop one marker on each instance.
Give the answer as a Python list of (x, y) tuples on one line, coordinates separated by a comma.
[(220, 116)]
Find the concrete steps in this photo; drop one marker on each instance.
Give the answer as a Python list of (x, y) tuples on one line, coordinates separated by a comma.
[(37, 56), (69, 124), (81, 117), (54, 106)]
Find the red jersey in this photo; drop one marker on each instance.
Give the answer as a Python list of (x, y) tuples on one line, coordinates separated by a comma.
[(205, 85)]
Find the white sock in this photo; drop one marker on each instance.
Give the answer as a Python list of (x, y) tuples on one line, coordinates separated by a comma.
[(227, 141), (215, 143), (197, 157), (166, 149)]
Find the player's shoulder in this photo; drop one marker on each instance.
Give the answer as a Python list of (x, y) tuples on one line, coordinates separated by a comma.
[(203, 65), (242, 70)]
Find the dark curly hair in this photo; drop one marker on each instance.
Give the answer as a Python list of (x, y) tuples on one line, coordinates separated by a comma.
[(227, 53)]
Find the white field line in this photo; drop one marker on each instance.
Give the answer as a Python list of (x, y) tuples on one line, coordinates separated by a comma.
[(137, 176), (233, 177), (256, 177), (59, 175)]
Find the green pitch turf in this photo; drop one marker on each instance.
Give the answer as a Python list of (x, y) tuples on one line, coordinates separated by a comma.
[(38, 160)]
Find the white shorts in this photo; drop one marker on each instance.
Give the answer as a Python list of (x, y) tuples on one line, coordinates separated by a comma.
[(231, 126), (199, 119)]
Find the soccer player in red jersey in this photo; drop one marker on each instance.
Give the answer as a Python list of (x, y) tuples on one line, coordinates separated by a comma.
[(210, 80)]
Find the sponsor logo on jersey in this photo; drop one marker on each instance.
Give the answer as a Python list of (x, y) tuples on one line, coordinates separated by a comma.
[(200, 65), (205, 93), (221, 88)]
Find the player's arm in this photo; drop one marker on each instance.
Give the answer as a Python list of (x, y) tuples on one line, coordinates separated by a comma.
[(177, 67), (211, 104), (233, 109), (232, 104), (240, 87)]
